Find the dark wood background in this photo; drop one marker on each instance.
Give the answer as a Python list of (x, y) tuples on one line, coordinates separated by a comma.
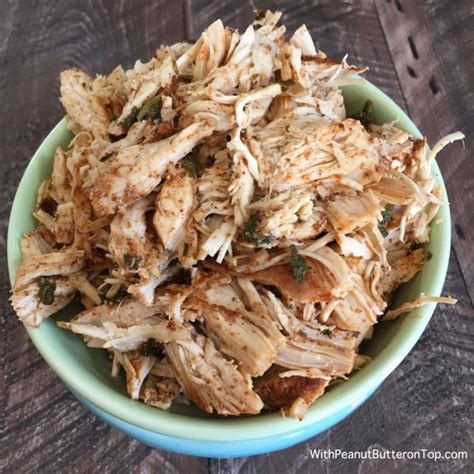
[(420, 53)]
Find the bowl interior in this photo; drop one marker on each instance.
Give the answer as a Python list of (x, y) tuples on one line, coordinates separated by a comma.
[(87, 371)]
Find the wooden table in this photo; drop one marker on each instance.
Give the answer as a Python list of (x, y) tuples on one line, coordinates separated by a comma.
[(420, 53)]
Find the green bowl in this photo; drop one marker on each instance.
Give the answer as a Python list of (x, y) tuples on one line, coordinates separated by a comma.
[(86, 371)]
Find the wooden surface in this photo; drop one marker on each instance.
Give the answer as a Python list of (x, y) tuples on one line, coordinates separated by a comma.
[(419, 53)]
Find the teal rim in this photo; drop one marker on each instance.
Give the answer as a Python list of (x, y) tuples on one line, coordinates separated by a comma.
[(89, 386)]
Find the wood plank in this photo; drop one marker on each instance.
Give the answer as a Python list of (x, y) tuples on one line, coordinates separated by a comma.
[(431, 46), (43, 427), (201, 13)]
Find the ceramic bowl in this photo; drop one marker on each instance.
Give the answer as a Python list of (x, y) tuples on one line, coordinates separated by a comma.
[(186, 429)]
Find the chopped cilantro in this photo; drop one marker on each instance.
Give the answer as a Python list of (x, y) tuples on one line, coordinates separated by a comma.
[(251, 228), (327, 332), (285, 85), (387, 215), (151, 109), (252, 234), (299, 265), (192, 166), (131, 118), (266, 239), (46, 290), (365, 116)]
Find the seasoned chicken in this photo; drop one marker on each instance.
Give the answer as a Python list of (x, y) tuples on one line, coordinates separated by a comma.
[(212, 50), (403, 269), (173, 206), (233, 232), (236, 334), (136, 170), (136, 251), (63, 262), (126, 326), (160, 392), (32, 244), (293, 394), (32, 307), (206, 377), (147, 86), (315, 287), (161, 386), (82, 105), (137, 367), (349, 213)]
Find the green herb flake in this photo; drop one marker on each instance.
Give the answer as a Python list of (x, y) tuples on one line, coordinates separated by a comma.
[(327, 332), (252, 234), (298, 264), (251, 228), (285, 85), (46, 290), (429, 255), (365, 116), (131, 261), (265, 240), (257, 26), (151, 109), (152, 348), (192, 166), (128, 121), (387, 215), (186, 78)]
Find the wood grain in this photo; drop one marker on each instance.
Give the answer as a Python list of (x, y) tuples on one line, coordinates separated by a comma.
[(431, 45), (425, 403)]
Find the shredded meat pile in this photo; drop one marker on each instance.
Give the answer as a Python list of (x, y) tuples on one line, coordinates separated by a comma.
[(233, 235)]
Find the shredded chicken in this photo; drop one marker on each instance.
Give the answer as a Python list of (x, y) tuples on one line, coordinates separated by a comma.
[(292, 394), (421, 301), (231, 231)]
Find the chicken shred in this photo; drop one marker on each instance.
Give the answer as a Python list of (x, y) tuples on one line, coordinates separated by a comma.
[(232, 232)]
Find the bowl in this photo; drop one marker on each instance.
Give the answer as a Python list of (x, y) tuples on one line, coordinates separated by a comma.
[(186, 429)]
